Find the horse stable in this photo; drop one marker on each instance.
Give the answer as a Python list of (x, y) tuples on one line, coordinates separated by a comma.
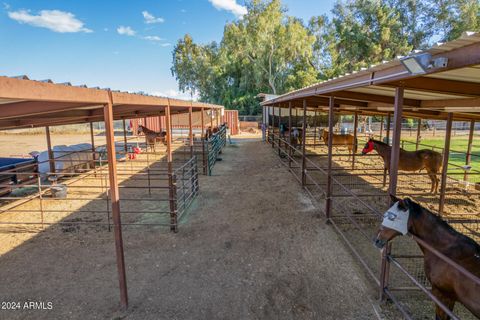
[(116, 175), (440, 84)]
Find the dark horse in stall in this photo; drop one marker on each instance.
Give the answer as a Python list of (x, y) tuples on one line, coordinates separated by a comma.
[(152, 136), (448, 284), (410, 160)]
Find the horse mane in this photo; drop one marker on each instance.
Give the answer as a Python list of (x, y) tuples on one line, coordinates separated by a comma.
[(380, 142), (417, 210)]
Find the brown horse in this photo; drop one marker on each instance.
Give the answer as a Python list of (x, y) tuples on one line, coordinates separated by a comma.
[(342, 140), (409, 160), (448, 284), (152, 136)]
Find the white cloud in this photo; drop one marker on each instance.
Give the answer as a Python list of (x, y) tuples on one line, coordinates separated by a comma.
[(229, 5), (55, 20), (150, 18), (127, 31), (167, 44), (153, 38)]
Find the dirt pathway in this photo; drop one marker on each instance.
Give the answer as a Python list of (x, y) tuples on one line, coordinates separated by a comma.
[(252, 247)]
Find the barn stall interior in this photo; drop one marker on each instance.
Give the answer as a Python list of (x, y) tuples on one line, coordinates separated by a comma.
[(331, 137), (130, 180)]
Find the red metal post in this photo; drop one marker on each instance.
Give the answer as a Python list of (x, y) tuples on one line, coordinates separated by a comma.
[(314, 129), (273, 127), (394, 160), (171, 178), (388, 142), (125, 144), (397, 132), (468, 156), (446, 155), (51, 156), (381, 129), (290, 134), (355, 129), (328, 200), (202, 136), (211, 117), (190, 130), (115, 199), (279, 131), (92, 139), (304, 142), (419, 127)]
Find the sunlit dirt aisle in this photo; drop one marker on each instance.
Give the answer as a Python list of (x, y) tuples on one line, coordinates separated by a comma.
[(252, 247)]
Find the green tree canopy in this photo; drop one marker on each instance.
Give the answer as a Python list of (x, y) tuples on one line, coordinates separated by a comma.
[(268, 51)]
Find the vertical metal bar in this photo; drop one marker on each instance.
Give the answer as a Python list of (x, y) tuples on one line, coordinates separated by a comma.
[(419, 127), (354, 147), (279, 131), (92, 139), (202, 137), (388, 142), (51, 156), (190, 129), (273, 127), (171, 177), (39, 182), (381, 129), (125, 144), (446, 155), (397, 132), (304, 142), (328, 200), (290, 134), (394, 160), (211, 118), (314, 129), (146, 140), (468, 156), (115, 199)]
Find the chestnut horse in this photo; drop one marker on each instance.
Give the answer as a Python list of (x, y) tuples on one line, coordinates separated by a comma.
[(152, 136), (448, 284), (410, 160), (342, 140)]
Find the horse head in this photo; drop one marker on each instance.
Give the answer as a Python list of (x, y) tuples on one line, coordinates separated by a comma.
[(140, 129), (396, 221), (369, 146)]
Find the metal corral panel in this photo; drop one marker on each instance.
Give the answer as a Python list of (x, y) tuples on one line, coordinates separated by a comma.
[(180, 121)]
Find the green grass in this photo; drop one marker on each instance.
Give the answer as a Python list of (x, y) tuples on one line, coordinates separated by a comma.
[(458, 148)]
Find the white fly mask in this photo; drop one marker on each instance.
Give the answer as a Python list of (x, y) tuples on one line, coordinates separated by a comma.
[(396, 219), (295, 133)]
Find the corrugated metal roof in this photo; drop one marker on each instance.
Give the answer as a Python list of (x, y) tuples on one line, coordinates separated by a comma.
[(466, 39)]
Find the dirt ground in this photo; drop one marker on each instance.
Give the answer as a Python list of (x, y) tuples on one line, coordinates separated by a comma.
[(253, 246)]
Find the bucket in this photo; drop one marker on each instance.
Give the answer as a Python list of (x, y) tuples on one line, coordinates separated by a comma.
[(59, 191)]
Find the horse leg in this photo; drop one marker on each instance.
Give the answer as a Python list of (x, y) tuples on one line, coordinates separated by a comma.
[(440, 314)]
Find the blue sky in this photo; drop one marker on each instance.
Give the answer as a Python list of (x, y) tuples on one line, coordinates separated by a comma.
[(123, 45)]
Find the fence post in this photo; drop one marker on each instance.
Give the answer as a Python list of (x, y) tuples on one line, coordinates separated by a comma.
[(388, 142), (446, 154), (394, 160), (381, 129), (289, 134), (273, 127), (279, 131), (51, 156), (419, 127), (314, 129), (304, 142), (468, 156), (115, 199), (172, 185), (202, 138), (328, 202), (355, 141)]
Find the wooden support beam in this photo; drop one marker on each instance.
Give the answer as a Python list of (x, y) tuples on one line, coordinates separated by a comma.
[(443, 86), (115, 201)]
